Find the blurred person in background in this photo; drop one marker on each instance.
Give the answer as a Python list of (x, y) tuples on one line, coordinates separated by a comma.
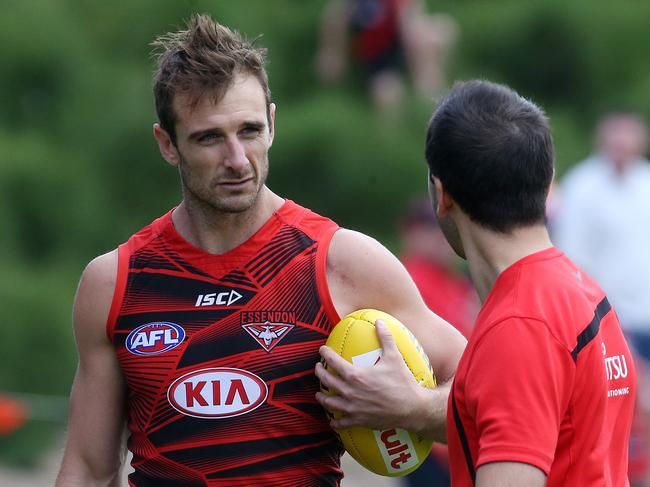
[(201, 332), (446, 290), (389, 40), (603, 221)]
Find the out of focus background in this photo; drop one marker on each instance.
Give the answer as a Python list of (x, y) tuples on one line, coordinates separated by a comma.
[(355, 83)]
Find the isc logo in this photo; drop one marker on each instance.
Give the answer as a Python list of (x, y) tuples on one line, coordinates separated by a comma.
[(216, 393), (221, 299), (396, 449), (154, 338)]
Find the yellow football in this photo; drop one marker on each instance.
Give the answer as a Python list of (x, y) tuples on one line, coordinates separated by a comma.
[(392, 452)]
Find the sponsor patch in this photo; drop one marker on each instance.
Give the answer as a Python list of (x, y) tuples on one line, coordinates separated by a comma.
[(224, 298), (396, 449), (268, 327), (154, 338), (217, 393)]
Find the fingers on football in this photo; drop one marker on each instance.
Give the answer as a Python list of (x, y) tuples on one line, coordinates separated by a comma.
[(331, 403), (341, 405), (345, 422), (335, 362), (330, 381)]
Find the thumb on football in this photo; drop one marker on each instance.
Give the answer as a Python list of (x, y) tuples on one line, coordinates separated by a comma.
[(386, 339)]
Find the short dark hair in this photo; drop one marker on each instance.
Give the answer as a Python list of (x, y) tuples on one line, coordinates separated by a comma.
[(493, 152), (205, 58)]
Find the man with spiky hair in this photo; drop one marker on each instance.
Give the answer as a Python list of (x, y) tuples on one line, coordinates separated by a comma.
[(201, 332), (544, 392)]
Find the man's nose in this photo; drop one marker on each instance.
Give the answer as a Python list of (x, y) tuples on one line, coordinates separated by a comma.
[(235, 154)]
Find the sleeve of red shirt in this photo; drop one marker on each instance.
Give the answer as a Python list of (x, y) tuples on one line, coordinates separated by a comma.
[(518, 387)]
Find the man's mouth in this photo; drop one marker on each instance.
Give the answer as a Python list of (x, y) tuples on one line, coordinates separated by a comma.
[(235, 183)]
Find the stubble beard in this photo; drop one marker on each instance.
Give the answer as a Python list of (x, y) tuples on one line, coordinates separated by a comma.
[(203, 194)]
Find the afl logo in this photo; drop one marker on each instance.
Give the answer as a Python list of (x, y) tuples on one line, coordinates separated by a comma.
[(154, 338), (217, 393)]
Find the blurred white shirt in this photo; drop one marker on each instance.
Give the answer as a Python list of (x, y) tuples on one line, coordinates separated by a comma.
[(603, 225)]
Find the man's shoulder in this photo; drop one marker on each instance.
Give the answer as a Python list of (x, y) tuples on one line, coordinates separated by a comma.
[(555, 293), (305, 219), (103, 268), (149, 231), (101, 271), (350, 245), (94, 295)]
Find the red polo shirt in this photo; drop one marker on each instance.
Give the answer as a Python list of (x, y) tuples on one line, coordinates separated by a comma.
[(547, 379)]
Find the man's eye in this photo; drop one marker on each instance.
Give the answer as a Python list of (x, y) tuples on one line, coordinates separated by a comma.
[(208, 138), (250, 131)]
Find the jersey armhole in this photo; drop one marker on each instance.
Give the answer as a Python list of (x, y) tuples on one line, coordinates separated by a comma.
[(321, 275), (120, 288)]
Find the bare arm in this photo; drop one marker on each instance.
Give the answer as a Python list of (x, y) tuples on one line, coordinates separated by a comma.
[(362, 273), (94, 450), (509, 474)]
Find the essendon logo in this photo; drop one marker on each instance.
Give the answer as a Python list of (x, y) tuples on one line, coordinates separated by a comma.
[(154, 338), (216, 393), (268, 327)]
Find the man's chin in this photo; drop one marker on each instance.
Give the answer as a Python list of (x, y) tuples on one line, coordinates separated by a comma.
[(235, 204)]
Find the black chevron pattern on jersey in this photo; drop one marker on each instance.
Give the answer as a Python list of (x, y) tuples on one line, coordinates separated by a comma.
[(239, 278), (286, 439), (288, 243), (159, 255)]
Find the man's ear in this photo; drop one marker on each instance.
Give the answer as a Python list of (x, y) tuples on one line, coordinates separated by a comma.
[(271, 123), (444, 201), (167, 148)]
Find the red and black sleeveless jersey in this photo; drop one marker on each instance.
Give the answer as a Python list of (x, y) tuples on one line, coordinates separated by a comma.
[(218, 352)]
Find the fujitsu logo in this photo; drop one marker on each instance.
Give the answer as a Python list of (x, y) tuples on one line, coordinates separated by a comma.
[(615, 366)]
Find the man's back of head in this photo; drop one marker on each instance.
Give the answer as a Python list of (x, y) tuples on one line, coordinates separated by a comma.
[(493, 152)]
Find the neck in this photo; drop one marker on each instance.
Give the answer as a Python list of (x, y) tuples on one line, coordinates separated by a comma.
[(489, 253), (218, 232)]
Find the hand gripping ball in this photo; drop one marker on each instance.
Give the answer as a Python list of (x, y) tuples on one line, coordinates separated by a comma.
[(391, 452)]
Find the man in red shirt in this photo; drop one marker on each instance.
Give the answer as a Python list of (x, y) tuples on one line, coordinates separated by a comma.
[(544, 392)]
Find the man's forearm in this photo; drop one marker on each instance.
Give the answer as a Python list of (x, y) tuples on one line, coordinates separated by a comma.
[(430, 417)]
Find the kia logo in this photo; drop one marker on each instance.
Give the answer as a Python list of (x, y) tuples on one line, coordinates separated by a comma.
[(217, 393)]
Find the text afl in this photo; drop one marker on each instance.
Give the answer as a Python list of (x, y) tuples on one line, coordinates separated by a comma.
[(154, 338)]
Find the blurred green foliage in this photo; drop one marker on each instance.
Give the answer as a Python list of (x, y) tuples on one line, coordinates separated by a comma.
[(80, 172)]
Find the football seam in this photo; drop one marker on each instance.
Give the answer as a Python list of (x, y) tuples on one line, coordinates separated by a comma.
[(345, 338), (347, 431)]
